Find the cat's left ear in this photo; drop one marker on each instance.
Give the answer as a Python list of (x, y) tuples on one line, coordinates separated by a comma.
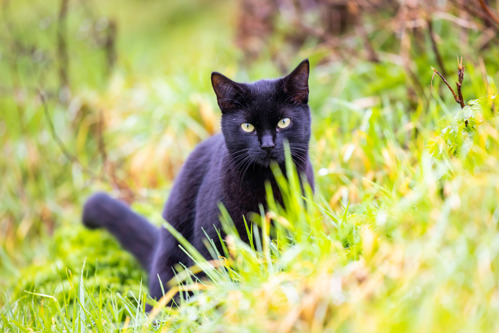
[(229, 93), (296, 83)]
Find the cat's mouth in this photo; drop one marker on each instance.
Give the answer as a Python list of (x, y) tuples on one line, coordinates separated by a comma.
[(266, 161)]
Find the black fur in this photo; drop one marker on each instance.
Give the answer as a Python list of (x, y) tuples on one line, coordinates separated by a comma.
[(229, 168)]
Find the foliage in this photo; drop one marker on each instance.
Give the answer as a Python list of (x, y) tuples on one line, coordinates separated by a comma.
[(402, 232)]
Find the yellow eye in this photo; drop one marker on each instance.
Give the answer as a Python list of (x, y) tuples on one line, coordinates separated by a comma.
[(284, 122), (247, 127)]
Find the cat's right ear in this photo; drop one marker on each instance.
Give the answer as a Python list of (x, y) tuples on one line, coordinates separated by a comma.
[(229, 93), (296, 83)]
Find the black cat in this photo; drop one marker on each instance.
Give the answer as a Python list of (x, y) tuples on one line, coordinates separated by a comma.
[(229, 168)]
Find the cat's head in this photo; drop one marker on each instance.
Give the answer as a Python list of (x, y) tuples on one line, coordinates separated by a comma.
[(258, 117)]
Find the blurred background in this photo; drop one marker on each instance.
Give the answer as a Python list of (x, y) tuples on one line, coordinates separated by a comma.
[(113, 95)]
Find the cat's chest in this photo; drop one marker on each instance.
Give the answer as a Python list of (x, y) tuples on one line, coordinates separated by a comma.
[(246, 195)]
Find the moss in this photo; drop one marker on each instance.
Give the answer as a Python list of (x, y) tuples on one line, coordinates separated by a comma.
[(75, 252)]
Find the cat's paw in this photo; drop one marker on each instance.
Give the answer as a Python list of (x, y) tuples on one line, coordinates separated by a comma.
[(97, 210)]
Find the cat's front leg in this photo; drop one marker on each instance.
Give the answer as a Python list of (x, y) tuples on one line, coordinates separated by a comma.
[(158, 284), (167, 256)]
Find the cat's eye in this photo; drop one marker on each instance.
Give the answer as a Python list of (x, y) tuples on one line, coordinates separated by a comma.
[(247, 127), (284, 122)]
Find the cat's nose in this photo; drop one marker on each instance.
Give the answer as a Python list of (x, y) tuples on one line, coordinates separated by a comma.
[(267, 143), (268, 149)]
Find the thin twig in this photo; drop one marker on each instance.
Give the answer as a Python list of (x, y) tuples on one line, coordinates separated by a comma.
[(435, 47), (126, 192), (405, 46), (62, 49), (459, 84), (475, 12), (70, 157), (488, 11), (361, 29), (110, 45), (456, 97), (460, 76), (102, 144)]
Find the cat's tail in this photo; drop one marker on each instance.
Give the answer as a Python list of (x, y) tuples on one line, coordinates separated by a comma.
[(134, 232)]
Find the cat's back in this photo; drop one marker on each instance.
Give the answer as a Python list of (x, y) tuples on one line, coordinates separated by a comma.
[(185, 190), (204, 154)]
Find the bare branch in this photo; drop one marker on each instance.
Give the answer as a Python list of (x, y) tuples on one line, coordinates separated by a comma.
[(456, 98), (70, 157), (434, 46), (488, 11), (118, 184), (126, 193), (459, 84), (62, 50)]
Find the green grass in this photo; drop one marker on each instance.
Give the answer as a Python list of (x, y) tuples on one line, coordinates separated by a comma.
[(401, 235)]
